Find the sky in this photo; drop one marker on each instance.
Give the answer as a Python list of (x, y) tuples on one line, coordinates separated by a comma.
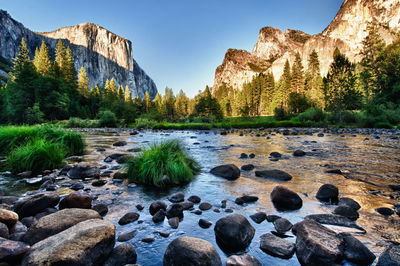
[(179, 43)]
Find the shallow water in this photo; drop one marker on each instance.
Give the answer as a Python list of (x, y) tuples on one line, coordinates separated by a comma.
[(376, 161)]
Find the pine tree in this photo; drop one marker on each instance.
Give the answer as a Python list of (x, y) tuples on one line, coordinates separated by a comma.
[(113, 87), (267, 93), (127, 96), (168, 103), (297, 82), (83, 83), (42, 60), (285, 86), (60, 56), (107, 88), (69, 69), (181, 105), (21, 59), (313, 80), (158, 102), (121, 95), (147, 101)]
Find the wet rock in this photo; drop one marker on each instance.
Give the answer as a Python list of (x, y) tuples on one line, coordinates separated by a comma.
[(242, 260), (197, 212), (124, 159), (299, 153), (120, 143), (133, 133), (227, 171), (173, 222), (126, 236), (83, 170), (316, 244), (26, 174), (243, 156), (122, 255), (234, 232), (223, 204), (395, 187), (86, 243), (174, 210), (195, 199), (101, 208), (129, 217), (8, 218), (28, 221), (333, 219), (282, 225), (4, 233), (164, 234), (120, 175), (274, 174), (34, 181), (346, 211), (258, 217), (177, 197), (204, 223), (391, 256), (285, 200), (148, 239), (247, 167), (334, 171), (239, 201), (9, 200), (252, 155), (385, 211), (35, 204), (77, 186), (65, 170), (320, 135), (99, 183), (45, 213), (159, 216), (228, 210), (77, 199), (355, 251), (12, 251), (349, 203), (191, 251), (276, 246), (187, 205), (205, 206), (249, 198), (328, 193), (275, 154), (57, 222)]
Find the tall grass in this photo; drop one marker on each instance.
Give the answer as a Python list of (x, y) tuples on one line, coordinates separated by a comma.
[(166, 158)]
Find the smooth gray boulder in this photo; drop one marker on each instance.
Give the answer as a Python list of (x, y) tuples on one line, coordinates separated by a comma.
[(243, 260), (276, 246)]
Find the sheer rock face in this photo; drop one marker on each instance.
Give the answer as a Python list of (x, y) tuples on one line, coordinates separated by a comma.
[(103, 54), (347, 32)]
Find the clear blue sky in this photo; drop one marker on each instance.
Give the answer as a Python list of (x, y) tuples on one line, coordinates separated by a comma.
[(179, 43)]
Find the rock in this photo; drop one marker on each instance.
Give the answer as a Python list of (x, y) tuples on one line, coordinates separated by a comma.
[(190, 251), (124, 159), (242, 260), (120, 143), (173, 222), (57, 222), (195, 199), (275, 154), (276, 246), (252, 155), (247, 167), (164, 234), (128, 218), (204, 223), (234, 232), (77, 186), (12, 251), (174, 210), (159, 216), (248, 198), (334, 171), (272, 218), (65, 170), (320, 135), (126, 236), (355, 251), (122, 255), (205, 206), (8, 218), (285, 200), (133, 133), (28, 221), (385, 211), (328, 193), (186, 205), (346, 211), (35, 204), (282, 225), (148, 239), (258, 217), (120, 175), (77, 199), (34, 180), (239, 201), (45, 212), (4, 233), (274, 174), (26, 174), (299, 153), (391, 256), (227, 171), (333, 219), (9, 200), (350, 203), (243, 156), (197, 212), (139, 207), (99, 183), (86, 243), (101, 208), (83, 170), (395, 187), (316, 244), (177, 197)]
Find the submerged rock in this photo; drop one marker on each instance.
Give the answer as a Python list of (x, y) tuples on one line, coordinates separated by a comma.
[(385, 211), (242, 260), (126, 236), (228, 171), (346, 211), (156, 206), (77, 199), (274, 174), (350, 203), (247, 167), (122, 255), (128, 218), (120, 143), (174, 210), (333, 219), (282, 225), (391, 256), (355, 251), (101, 208), (285, 200), (276, 246), (205, 206), (159, 216), (328, 193), (258, 217), (299, 153), (177, 197)]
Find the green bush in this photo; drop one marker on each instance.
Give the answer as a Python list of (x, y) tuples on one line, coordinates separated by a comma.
[(312, 114), (383, 125), (36, 156), (166, 158), (144, 123), (108, 119), (76, 122), (280, 113)]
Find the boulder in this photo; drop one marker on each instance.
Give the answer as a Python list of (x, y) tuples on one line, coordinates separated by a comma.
[(57, 222), (8, 218), (328, 193), (350, 203), (190, 251), (385, 211), (77, 199), (242, 260), (35, 204), (355, 251), (186, 205), (204, 223), (346, 211), (129, 218), (101, 208), (159, 216), (122, 255), (234, 232), (9, 200), (83, 170), (274, 174), (173, 222), (126, 236), (272, 218), (227, 171), (174, 210), (156, 206), (285, 200), (247, 167), (99, 183), (282, 225), (204, 206), (276, 246), (86, 243), (391, 256), (333, 219), (120, 143), (316, 244), (275, 154), (243, 156), (258, 217), (299, 153), (12, 251), (195, 199), (4, 233), (177, 197)]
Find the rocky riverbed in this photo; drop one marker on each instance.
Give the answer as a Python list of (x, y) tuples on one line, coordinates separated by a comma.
[(276, 202)]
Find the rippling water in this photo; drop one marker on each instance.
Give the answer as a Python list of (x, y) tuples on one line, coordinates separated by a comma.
[(376, 161)]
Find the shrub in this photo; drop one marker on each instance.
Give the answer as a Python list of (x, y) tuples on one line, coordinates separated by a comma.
[(108, 119), (166, 158), (280, 113), (144, 123), (312, 114), (36, 156), (383, 125)]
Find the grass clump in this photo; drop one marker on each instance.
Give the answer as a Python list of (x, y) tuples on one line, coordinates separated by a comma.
[(166, 158), (36, 156)]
